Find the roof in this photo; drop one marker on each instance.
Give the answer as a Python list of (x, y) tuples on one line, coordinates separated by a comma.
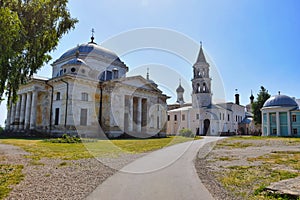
[(201, 56), (280, 101), (85, 49), (76, 61), (180, 88), (181, 109)]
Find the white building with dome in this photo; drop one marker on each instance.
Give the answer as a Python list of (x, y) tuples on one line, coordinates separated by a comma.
[(89, 94), (281, 116)]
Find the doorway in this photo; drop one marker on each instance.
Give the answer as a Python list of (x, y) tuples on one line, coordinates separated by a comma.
[(206, 126)]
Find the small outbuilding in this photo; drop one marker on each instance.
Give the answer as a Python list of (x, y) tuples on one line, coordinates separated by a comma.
[(281, 116)]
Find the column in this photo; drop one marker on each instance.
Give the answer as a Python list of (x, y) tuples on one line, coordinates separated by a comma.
[(22, 112), (278, 123), (268, 124), (263, 124), (27, 110), (139, 115), (33, 110), (17, 116), (130, 124), (289, 123), (12, 115)]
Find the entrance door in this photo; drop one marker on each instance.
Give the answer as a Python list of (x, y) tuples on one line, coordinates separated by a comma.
[(206, 126)]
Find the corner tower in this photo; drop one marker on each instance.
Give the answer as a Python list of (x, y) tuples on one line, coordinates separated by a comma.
[(201, 82)]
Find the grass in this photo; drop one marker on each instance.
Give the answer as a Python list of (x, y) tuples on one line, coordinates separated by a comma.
[(74, 151), (250, 182), (9, 175)]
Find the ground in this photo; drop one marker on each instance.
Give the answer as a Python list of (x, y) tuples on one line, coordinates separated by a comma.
[(66, 171), (243, 167)]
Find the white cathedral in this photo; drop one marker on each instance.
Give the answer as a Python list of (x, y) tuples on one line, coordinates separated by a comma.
[(202, 116), (89, 95)]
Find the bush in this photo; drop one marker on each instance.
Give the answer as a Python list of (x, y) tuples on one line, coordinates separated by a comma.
[(185, 132), (69, 139), (1, 129)]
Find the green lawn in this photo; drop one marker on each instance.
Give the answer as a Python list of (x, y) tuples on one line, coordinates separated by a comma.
[(65, 151)]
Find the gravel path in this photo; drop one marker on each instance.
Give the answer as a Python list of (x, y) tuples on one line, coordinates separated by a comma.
[(208, 162), (60, 179)]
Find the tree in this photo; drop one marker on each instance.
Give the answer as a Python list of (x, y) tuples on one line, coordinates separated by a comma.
[(30, 30), (262, 97)]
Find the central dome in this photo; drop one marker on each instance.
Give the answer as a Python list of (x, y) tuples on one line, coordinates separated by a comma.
[(85, 49), (280, 100)]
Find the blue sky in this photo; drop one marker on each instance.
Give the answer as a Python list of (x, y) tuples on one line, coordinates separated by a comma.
[(251, 42)]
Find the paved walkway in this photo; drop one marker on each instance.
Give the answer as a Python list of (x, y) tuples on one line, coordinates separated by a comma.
[(167, 174)]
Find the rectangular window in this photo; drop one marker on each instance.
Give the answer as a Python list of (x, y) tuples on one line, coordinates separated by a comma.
[(273, 118), (83, 117), (295, 131), (175, 117), (228, 116), (274, 131), (58, 96), (236, 118), (84, 96), (183, 117), (220, 116), (294, 118), (168, 117), (223, 116), (56, 119), (197, 116)]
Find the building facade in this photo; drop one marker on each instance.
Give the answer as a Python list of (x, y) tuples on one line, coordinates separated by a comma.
[(89, 95), (281, 117), (202, 116)]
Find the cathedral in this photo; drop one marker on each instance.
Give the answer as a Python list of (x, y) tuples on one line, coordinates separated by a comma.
[(89, 95), (202, 116)]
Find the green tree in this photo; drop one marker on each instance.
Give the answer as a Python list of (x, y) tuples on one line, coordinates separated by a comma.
[(30, 30), (262, 97)]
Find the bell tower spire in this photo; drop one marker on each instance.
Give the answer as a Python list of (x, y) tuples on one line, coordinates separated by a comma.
[(201, 82)]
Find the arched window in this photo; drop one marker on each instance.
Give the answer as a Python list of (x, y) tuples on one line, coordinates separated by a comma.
[(204, 88), (84, 96), (198, 88)]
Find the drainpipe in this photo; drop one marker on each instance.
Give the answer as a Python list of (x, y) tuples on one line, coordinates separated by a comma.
[(67, 98), (51, 106), (100, 106)]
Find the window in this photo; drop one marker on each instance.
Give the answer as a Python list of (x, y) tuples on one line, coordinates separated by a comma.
[(84, 96), (58, 96), (274, 131), (223, 116), (294, 118), (61, 72), (168, 117), (273, 118), (56, 119), (108, 75), (183, 117), (83, 117), (228, 116), (73, 69), (236, 118), (220, 116), (197, 116), (295, 131), (175, 117)]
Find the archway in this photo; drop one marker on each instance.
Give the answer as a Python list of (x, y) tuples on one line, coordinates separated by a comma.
[(206, 126)]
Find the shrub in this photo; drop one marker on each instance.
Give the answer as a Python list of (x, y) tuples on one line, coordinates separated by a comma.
[(69, 139), (185, 132)]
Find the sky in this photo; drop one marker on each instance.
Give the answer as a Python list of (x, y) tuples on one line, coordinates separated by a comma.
[(249, 43)]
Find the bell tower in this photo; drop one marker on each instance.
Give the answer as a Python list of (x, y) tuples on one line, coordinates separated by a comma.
[(201, 82)]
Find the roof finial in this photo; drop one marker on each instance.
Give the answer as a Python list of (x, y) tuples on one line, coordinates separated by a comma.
[(77, 51), (92, 38), (236, 91), (147, 73), (278, 92), (180, 81), (201, 44)]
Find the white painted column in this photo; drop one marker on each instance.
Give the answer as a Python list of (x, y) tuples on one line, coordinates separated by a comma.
[(289, 123), (27, 110), (263, 124), (139, 115), (33, 110), (17, 117), (268, 124), (130, 128), (278, 123), (22, 112), (12, 115)]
